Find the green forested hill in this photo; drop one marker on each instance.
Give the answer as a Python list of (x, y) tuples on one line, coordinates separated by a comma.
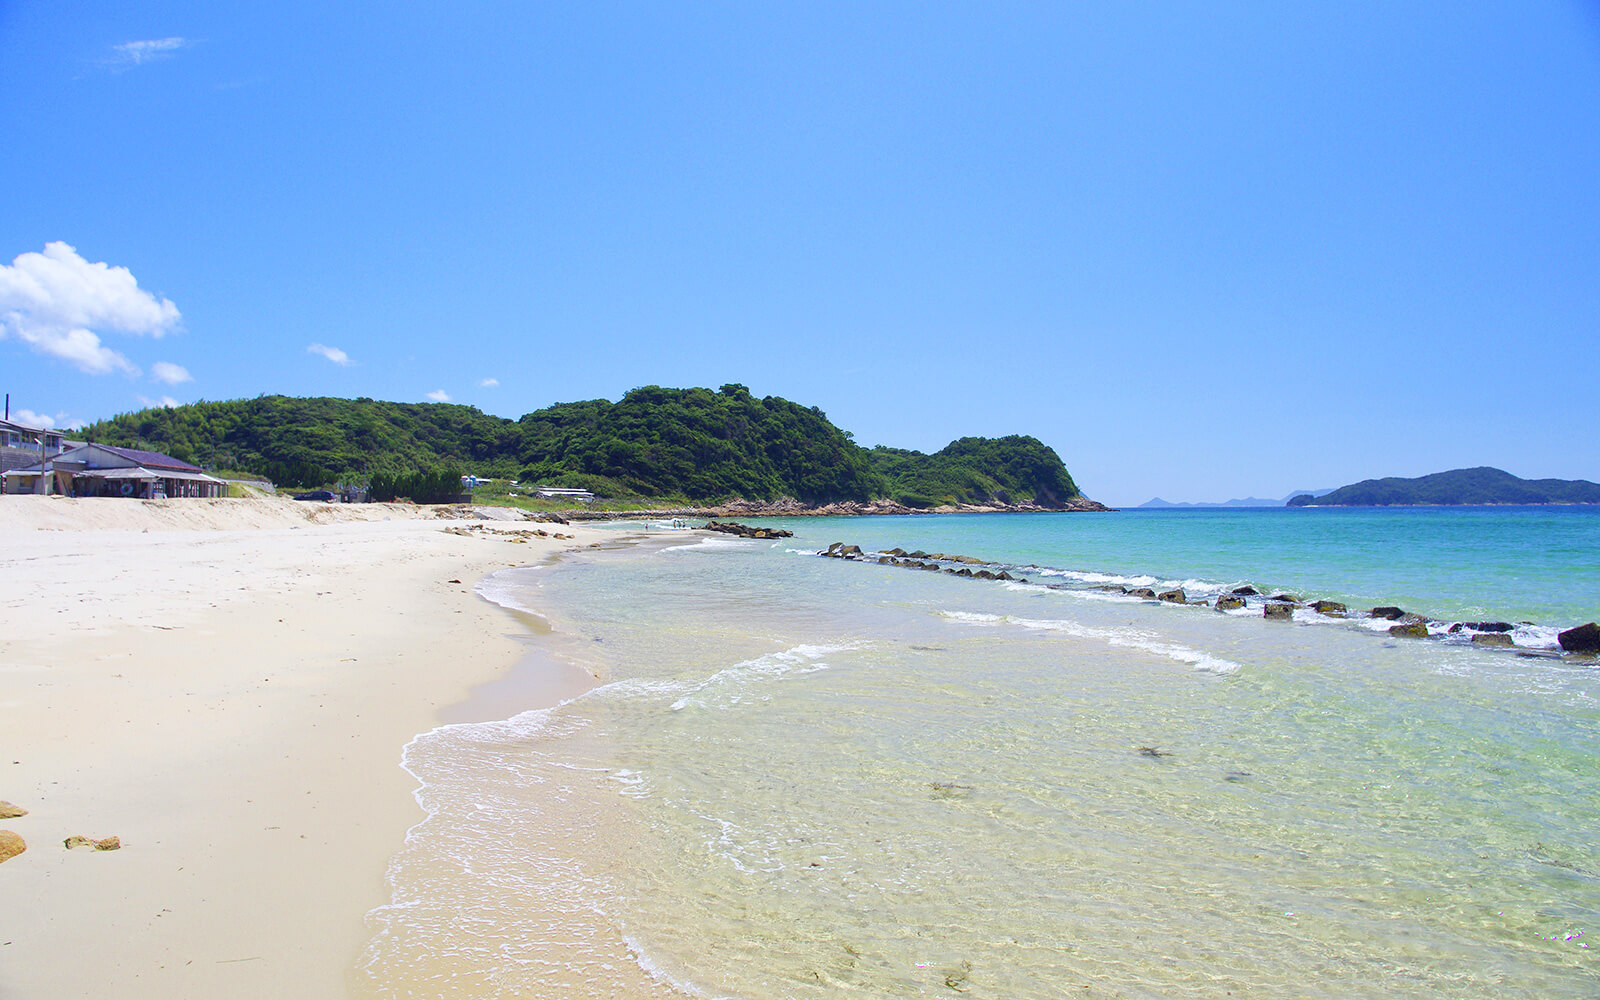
[(1483, 485), (1015, 469), (696, 444)]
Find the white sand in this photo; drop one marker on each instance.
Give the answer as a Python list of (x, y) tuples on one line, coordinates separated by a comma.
[(226, 685)]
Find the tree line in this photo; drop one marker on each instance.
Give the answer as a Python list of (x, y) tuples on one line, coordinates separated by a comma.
[(695, 444)]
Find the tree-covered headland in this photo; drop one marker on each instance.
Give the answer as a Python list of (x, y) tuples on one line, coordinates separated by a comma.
[(697, 445)]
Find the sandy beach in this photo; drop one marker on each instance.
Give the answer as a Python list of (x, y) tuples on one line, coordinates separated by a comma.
[(225, 686)]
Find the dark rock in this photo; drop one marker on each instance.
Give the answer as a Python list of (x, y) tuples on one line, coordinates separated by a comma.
[(896, 551), (919, 554), (745, 530), (1108, 587), (1229, 602), (1583, 639), (1144, 592), (963, 571), (1389, 612), (1172, 597), (1278, 610), (983, 574), (1492, 639), (1285, 598), (1245, 591), (1410, 630), (1333, 609), (1003, 575)]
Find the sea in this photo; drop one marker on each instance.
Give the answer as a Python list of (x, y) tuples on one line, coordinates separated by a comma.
[(809, 777)]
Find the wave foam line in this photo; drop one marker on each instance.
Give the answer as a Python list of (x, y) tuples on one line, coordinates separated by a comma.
[(1127, 638)]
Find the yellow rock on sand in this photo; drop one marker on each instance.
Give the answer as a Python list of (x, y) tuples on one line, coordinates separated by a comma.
[(9, 811), (11, 845), (78, 840)]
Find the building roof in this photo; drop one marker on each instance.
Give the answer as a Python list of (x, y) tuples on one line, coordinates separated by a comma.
[(151, 459)]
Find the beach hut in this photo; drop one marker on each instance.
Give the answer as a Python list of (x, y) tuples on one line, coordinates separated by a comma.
[(102, 470)]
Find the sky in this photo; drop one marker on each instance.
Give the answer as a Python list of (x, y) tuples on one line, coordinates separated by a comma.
[(1202, 250)]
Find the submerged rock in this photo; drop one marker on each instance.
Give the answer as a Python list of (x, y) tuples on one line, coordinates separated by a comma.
[(1245, 591), (1410, 630), (1583, 639), (1492, 639)]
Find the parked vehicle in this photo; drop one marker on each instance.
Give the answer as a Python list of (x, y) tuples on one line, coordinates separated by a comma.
[(326, 495)]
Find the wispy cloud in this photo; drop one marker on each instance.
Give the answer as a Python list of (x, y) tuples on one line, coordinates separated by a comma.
[(130, 54), (33, 419), (166, 402), (439, 396), (58, 304), (333, 354), (489, 383), (166, 371)]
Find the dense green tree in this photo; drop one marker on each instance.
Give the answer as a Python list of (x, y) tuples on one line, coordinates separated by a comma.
[(698, 444)]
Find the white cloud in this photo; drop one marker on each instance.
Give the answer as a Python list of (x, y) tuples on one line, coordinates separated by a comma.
[(439, 396), (333, 354), (165, 401), (33, 419), (130, 54), (166, 371), (489, 383), (55, 302)]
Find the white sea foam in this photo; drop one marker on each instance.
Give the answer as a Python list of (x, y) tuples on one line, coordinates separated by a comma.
[(706, 545), (742, 682), (1127, 638), (503, 587)]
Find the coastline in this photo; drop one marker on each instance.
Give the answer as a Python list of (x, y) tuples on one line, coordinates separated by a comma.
[(227, 687), (787, 507)]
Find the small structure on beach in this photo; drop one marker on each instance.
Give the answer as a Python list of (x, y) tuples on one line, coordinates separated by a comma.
[(22, 445), (102, 470), (561, 493)]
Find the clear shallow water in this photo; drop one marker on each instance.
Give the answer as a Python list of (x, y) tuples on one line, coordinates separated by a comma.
[(810, 778)]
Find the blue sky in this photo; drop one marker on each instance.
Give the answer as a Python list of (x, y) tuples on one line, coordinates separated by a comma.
[(1202, 250)]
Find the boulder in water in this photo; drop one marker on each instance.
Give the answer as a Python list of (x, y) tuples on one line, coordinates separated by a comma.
[(1492, 639), (1583, 639), (1175, 596), (1410, 630), (1229, 602), (1278, 611)]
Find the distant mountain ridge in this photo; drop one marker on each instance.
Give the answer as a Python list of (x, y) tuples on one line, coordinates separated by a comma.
[(1156, 503), (1458, 487)]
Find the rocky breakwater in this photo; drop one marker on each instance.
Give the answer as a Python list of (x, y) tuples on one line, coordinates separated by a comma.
[(745, 530), (1245, 600)]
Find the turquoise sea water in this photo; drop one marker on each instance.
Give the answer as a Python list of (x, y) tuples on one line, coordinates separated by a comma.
[(804, 777)]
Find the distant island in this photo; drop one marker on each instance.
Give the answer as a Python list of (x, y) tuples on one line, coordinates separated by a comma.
[(1156, 503), (684, 446), (1458, 487)]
